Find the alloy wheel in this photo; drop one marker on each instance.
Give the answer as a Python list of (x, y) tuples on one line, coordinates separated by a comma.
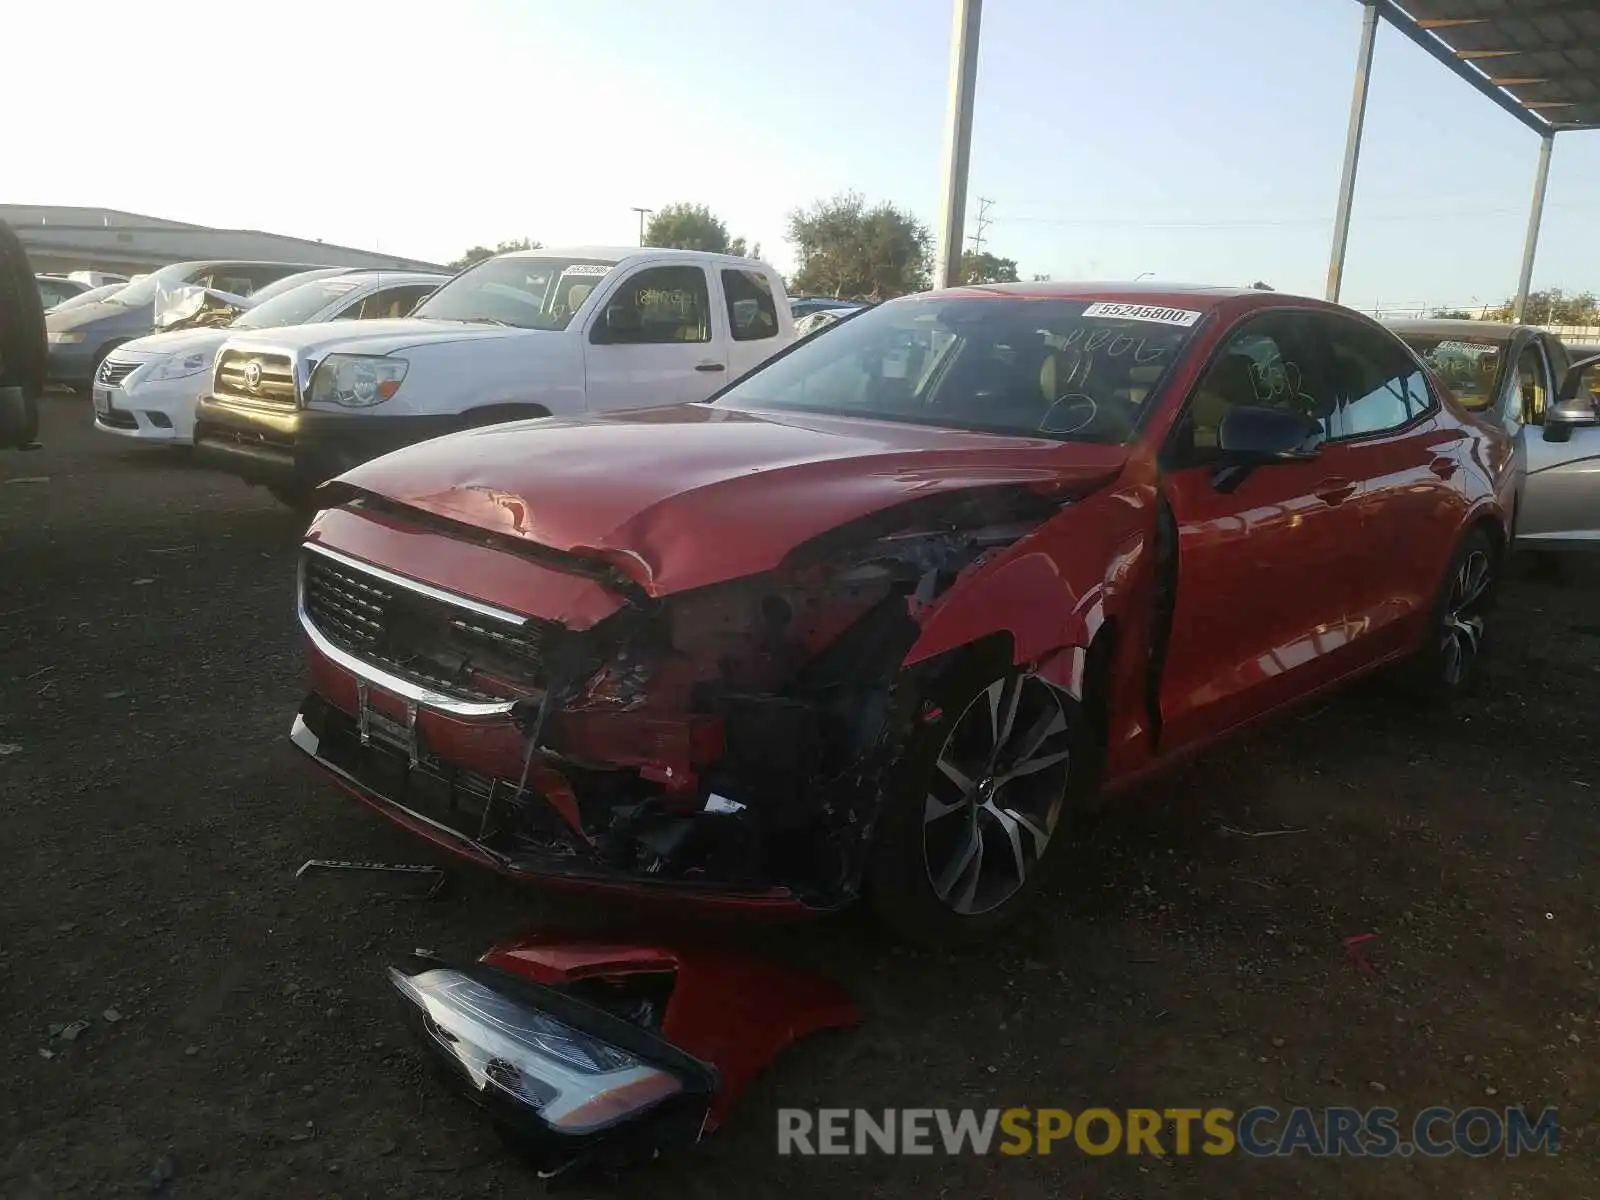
[(1464, 617), (996, 795)]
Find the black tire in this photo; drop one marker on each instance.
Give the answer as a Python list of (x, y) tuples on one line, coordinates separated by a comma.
[(1449, 664), (83, 389), (297, 498), (930, 822), (24, 362)]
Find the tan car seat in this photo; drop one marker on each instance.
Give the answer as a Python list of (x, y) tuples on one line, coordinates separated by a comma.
[(1230, 382)]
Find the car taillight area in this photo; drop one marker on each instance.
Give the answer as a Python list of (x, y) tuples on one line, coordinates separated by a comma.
[(726, 741)]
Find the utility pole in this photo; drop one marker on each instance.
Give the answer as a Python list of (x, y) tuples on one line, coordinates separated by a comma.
[(983, 223), (958, 145), (643, 213)]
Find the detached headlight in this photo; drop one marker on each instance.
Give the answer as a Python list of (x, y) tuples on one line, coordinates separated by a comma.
[(180, 366), (64, 337), (356, 380), (569, 1081)]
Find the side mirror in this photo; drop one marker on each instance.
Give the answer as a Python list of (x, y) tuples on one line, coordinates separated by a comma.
[(622, 321), (1251, 436), (1575, 405)]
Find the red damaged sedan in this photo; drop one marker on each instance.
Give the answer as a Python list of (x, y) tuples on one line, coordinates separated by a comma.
[(881, 616)]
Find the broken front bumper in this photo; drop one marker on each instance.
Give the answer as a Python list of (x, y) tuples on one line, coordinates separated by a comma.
[(455, 807)]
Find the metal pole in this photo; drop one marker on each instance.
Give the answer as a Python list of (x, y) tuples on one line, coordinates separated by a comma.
[(1525, 280), (958, 146), (643, 213), (1352, 150)]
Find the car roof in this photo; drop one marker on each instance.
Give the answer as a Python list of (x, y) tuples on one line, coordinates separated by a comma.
[(384, 275), (1483, 331), (619, 254), (1166, 295)]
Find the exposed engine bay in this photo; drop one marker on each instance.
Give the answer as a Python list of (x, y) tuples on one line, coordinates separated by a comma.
[(736, 737)]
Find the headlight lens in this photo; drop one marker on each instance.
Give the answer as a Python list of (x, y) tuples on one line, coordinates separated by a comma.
[(576, 1083), (181, 366), (64, 337), (356, 380)]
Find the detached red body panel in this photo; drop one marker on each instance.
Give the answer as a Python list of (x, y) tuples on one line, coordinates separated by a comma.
[(731, 1010), (688, 651)]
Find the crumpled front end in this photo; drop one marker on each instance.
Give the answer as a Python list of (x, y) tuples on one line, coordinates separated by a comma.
[(727, 744)]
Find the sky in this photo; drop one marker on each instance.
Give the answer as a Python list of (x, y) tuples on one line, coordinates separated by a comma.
[(1198, 142)]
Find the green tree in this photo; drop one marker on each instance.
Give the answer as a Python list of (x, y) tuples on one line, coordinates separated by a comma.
[(1552, 307), (983, 267), (477, 254), (694, 227), (846, 249), (1450, 314)]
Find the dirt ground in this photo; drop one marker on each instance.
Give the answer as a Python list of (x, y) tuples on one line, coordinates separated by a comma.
[(156, 814)]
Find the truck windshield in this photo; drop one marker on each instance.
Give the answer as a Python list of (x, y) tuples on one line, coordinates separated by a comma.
[(1069, 370), (528, 293)]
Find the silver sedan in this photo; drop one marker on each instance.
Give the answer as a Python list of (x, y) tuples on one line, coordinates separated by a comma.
[(1515, 374)]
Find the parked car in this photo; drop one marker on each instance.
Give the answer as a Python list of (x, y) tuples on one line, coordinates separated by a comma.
[(147, 388), (534, 333), (879, 617), (80, 337), (819, 319), (803, 306), (53, 289), (91, 296), (1510, 375)]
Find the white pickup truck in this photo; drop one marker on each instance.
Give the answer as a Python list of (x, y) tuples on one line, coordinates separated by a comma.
[(531, 334)]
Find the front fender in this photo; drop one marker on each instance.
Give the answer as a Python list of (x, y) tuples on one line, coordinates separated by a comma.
[(1053, 591)]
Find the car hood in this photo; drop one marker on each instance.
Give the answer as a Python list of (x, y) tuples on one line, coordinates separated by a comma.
[(384, 336), (88, 314), (180, 341), (697, 494)]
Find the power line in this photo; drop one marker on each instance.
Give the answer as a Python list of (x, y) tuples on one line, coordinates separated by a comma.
[(1264, 223)]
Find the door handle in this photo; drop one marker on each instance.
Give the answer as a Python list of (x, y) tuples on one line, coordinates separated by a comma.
[(1443, 467), (710, 366), (1335, 491)]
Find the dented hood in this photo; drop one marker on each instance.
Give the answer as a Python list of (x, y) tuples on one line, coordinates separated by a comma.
[(693, 495)]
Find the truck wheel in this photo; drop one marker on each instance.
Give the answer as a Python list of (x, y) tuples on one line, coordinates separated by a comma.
[(23, 355)]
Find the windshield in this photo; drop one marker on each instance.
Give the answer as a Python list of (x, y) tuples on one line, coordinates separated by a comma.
[(529, 293), (144, 291), (1066, 369), (297, 306), (1469, 367)]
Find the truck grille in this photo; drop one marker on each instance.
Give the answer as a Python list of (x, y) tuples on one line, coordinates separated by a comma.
[(422, 638), (259, 377), (113, 371)]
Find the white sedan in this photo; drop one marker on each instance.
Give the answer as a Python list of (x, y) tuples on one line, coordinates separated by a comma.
[(147, 388)]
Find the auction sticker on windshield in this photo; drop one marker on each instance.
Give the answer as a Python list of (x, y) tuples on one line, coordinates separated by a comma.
[(1143, 312)]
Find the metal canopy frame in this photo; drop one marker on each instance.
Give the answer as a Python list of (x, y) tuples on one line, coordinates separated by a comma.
[(1539, 60)]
